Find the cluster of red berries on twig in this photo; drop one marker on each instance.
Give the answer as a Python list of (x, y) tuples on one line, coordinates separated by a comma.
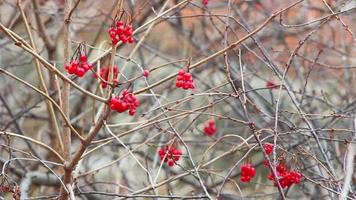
[(184, 80), (121, 32), (79, 63), (169, 155), (205, 2), (247, 172), (286, 178), (126, 101), (210, 127), (104, 74), (268, 148)]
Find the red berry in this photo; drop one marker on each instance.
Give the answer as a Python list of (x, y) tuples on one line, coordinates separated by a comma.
[(146, 73), (70, 69), (80, 72), (126, 101), (184, 80), (123, 38), (210, 127), (268, 148), (130, 40), (245, 179), (83, 58), (119, 23), (170, 163), (120, 30), (170, 155), (248, 170), (128, 31)]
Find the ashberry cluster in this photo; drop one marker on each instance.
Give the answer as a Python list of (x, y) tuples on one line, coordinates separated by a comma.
[(247, 172), (184, 80), (78, 66), (126, 101), (210, 127), (104, 74), (268, 148), (286, 178), (169, 155), (121, 32), (205, 2)]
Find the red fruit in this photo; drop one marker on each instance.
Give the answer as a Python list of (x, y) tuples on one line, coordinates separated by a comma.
[(120, 30), (130, 40), (210, 127), (205, 2), (85, 66), (268, 148), (281, 168), (245, 179), (146, 73), (70, 69), (286, 178), (128, 31), (184, 80), (114, 41), (187, 76), (266, 163), (119, 23), (80, 72), (75, 64), (170, 155), (83, 58), (132, 112), (247, 170), (123, 38), (126, 101), (181, 72)]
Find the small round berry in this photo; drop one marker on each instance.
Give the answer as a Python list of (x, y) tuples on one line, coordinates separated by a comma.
[(130, 40), (170, 163), (119, 23), (146, 73), (245, 179), (83, 58), (80, 72), (181, 72), (114, 41)]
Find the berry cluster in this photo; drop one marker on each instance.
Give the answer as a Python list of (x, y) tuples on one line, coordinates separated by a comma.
[(205, 2), (268, 148), (79, 66), (247, 172), (170, 155), (271, 85), (104, 74), (126, 101), (286, 178), (210, 127), (121, 32), (184, 80)]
